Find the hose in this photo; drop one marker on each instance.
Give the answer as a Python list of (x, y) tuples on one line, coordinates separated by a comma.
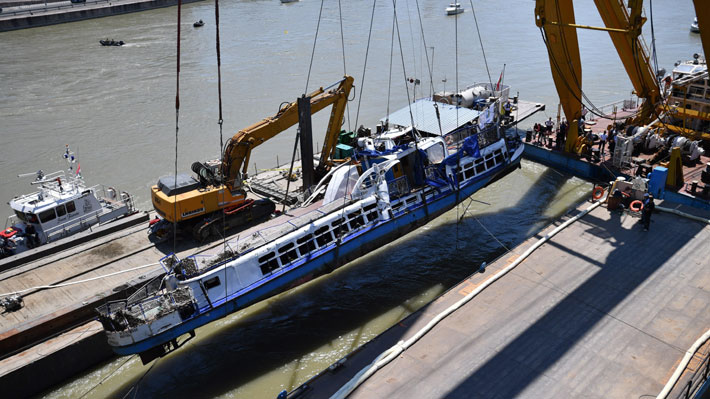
[(398, 348), (685, 215), (683, 364)]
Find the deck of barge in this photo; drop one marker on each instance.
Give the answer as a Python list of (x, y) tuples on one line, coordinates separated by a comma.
[(602, 310)]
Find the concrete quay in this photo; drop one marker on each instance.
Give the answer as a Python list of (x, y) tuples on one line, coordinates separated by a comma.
[(32, 16), (601, 310)]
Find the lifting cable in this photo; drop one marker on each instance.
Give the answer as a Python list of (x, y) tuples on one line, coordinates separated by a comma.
[(415, 134), (220, 121), (313, 52), (177, 128), (223, 230), (389, 81), (342, 45), (485, 61), (430, 67), (364, 67)]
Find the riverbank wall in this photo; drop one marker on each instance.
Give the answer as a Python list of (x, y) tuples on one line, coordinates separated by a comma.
[(58, 13)]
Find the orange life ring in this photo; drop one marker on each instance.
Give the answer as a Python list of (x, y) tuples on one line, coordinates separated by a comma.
[(636, 206), (598, 192)]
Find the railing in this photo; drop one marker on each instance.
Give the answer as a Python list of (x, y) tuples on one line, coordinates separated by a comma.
[(611, 108), (699, 377), (398, 187)]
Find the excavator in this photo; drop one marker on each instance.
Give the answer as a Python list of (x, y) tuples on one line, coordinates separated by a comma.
[(200, 204)]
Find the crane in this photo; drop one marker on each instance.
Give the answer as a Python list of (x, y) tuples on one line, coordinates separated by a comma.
[(556, 19), (198, 204)]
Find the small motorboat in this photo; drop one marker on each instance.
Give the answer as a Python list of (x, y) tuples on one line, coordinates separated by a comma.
[(289, 1), (112, 42), (198, 23), (694, 26), (454, 8)]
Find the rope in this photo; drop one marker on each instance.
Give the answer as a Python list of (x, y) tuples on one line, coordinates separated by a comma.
[(485, 61), (315, 40), (79, 281), (364, 67), (430, 67), (342, 45), (393, 352), (177, 127)]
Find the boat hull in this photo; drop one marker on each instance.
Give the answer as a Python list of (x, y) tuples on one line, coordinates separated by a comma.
[(329, 258)]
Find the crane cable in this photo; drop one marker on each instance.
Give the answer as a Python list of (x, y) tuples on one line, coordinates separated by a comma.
[(429, 66), (364, 67), (342, 45), (485, 60), (313, 52), (177, 127)]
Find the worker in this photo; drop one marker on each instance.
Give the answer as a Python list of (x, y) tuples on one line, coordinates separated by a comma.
[(648, 207), (549, 124), (507, 108), (602, 143)]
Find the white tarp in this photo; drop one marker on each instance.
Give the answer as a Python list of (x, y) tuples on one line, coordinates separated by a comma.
[(341, 184)]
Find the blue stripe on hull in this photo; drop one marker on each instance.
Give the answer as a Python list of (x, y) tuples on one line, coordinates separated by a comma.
[(324, 262)]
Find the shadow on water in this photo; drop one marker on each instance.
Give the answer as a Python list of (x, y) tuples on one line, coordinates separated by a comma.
[(294, 324), (547, 340)]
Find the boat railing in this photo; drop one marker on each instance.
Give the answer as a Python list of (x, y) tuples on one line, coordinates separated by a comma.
[(696, 381), (121, 315)]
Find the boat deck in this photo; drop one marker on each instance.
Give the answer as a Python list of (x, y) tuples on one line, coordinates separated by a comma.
[(598, 125), (602, 310)]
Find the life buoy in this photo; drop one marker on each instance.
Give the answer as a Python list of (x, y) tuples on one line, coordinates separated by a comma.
[(598, 192), (636, 206)]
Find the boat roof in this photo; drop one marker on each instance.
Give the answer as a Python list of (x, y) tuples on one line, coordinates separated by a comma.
[(424, 115), (47, 197)]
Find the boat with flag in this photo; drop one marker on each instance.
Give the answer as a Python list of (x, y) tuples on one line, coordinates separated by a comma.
[(418, 163), (62, 206)]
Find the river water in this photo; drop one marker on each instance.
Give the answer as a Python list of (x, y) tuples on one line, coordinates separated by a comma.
[(115, 107)]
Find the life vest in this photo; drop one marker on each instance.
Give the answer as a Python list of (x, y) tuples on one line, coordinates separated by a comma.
[(9, 232)]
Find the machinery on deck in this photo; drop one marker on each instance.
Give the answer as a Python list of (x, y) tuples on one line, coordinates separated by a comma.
[(200, 204), (556, 19)]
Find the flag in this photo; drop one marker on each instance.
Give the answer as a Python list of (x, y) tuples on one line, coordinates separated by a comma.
[(500, 79), (78, 169)]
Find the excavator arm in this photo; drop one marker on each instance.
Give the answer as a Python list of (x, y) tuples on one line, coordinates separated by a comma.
[(238, 148)]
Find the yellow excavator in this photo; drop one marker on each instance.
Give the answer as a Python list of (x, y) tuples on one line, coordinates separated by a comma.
[(200, 204)]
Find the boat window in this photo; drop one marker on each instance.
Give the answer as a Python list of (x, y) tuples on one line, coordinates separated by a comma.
[(324, 239), (289, 257), (307, 248), (468, 165), (61, 210), (211, 283), (269, 266), (305, 238), (71, 207), (490, 163), (480, 168), (370, 207), (468, 173), (499, 158), (371, 216), (47, 215), (286, 247), (21, 216), (266, 257)]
